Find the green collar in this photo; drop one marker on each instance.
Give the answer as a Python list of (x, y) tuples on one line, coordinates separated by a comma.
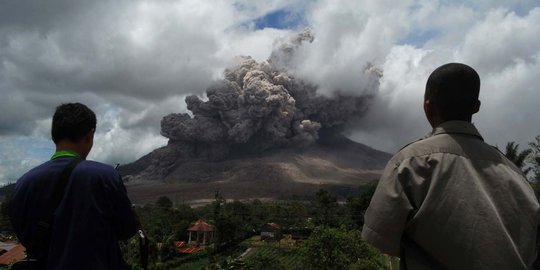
[(64, 153)]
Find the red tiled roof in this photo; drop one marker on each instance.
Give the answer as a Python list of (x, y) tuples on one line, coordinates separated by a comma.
[(271, 227), (13, 255), (274, 225), (189, 250), (179, 243), (201, 226)]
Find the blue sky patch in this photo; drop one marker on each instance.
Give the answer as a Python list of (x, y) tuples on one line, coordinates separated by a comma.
[(281, 19), (521, 10), (418, 39), (20, 154)]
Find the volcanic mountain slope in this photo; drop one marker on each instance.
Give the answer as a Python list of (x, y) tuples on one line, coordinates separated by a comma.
[(341, 166)]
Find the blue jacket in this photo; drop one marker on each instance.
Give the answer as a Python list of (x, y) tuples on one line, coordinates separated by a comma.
[(93, 215)]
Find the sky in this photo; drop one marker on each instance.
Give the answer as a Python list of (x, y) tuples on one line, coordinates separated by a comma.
[(134, 61)]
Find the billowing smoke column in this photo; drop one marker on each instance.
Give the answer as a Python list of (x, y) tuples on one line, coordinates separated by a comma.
[(258, 106)]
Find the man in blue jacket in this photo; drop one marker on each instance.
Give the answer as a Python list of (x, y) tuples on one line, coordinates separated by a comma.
[(94, 212)]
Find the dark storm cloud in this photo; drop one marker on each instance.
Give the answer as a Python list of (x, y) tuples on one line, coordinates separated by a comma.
[(95, 52)]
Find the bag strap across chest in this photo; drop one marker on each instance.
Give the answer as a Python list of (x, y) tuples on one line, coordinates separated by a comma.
[(44, 225)]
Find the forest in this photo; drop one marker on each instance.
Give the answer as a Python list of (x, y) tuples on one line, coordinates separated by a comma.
[(330, 234)]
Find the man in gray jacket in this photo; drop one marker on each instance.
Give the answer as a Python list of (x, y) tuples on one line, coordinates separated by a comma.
[(451, 201)]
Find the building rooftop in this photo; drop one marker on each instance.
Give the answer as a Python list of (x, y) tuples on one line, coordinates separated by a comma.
[(11, 252), (200, 226)]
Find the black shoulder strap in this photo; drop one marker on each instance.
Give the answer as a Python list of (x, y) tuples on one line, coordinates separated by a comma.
[(44, 225)]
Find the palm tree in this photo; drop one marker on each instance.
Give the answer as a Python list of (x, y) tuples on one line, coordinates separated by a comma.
[(518, 157), (534, 159)]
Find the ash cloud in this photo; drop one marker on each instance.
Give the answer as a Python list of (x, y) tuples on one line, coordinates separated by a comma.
[(260, 105)]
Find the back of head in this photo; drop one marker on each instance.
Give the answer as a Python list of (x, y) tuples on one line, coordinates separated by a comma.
[(72, 121), (453, 89)]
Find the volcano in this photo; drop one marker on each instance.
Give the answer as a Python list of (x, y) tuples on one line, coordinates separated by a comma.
[(260, 132)]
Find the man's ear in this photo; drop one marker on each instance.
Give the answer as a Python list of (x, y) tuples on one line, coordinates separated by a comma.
[(429, 111), (90, 135), (476, 107), (427, 106)]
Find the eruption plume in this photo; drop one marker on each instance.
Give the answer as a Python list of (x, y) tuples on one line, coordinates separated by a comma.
[(260, 106)]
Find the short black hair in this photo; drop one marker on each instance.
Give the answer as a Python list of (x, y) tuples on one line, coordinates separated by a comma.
[(72, 121), (454, 88)]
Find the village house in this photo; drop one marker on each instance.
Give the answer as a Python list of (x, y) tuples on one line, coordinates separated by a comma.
[(271, 231), (203, 230)]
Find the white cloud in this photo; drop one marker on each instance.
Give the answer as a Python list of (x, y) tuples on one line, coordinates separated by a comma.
[(502, 39), (348, 35), (510, 97), (118, 145), (504, 49), (396, 116)]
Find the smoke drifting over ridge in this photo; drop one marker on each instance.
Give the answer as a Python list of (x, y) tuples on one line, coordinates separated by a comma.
[(258, 106)]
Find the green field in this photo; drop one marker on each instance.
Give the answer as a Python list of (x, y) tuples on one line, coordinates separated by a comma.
[(274, 255), (196, 265)]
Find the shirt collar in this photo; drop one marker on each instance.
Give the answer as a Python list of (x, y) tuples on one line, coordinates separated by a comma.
[(64, 154), (456, 127)]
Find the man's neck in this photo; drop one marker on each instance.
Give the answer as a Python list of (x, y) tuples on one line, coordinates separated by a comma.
[(64, 154), (454, 120), (68, 146)]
